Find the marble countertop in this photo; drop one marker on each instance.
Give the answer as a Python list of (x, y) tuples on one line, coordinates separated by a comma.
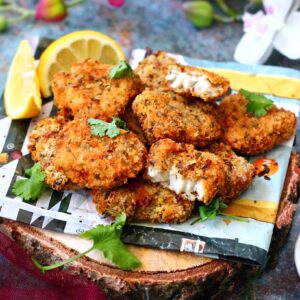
[(159, 24)]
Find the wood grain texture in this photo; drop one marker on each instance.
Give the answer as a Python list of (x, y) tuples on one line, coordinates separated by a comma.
[(165, 274)]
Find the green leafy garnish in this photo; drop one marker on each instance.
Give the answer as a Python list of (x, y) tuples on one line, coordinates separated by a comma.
[(257, 105), (102, 128), (121, 70), (106, 238), (30, 189), (215, 209)]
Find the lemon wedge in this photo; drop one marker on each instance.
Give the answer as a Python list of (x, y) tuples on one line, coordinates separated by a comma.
[(72, 48), (22, 98)]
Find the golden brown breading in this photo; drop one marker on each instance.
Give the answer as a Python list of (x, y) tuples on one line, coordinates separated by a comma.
[(183, 169), (88, 92), (45, 129), (98, 162), (252, 135), (143, 201), (133, 125), (42, 146), (160, 71), (165, 115), (239, 173), (72, 157)]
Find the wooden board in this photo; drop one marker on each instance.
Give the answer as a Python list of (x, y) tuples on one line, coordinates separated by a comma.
[(163, 274)]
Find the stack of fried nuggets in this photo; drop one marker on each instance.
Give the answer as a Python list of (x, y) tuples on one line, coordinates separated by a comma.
[(190, 139)]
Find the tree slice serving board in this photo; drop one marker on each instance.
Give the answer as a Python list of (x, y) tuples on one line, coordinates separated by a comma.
[(163, 274)]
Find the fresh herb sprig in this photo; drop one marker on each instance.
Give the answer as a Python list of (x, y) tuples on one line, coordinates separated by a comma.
[(258, 105), (121, 70), (30, 189), (106, 238), (215, 208), (102, 128)]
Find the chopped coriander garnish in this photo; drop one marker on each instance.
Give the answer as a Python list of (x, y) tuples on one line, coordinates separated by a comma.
[(106, 238), (257, 105), (102, 128), (121, 70), (215, 209), (30, 189)]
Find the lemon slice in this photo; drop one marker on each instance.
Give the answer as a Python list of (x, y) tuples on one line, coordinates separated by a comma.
[(72, 48), (22, 98)]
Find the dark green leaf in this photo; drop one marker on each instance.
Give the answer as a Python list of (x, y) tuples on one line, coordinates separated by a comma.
[(121, 70), (222, 205), (257, 105), (30, 189)]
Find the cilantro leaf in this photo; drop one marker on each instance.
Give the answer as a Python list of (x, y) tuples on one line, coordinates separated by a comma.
[(102, 128), (106, 238), (121, 70), (32, 187), (257, 105), (215, 209)]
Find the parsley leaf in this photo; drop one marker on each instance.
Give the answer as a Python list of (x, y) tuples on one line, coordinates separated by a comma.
[(106, 238), (102, 128), (257, 105), (121, 70), (215, 209), (32, 187)]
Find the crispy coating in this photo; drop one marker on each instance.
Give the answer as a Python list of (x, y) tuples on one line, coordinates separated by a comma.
[(98, 162), (72, 157), (239, 173), (183, 169), (133, 124), (160, 71), (252, 135), (144, 201), (42, 146), (164, 115), (88, 92)]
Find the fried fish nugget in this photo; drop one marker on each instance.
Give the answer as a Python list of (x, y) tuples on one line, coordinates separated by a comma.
[(144, 201), (164, 115), (88, 92), (252, 135), (42, 146), (239, 173), (98, 162), (186, 171), (160, 71)]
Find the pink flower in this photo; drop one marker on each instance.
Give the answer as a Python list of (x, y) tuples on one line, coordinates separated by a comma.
[(116, 3), (270, 9), (51, 10), (255, 23)]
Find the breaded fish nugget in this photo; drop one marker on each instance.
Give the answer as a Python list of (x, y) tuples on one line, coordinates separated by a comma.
[(144, 201), (186, 171), (88, 92), (72, 157), (98, 162), (160, 71), (42, 146), (239, 173), (250, 135), (165, 115)]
